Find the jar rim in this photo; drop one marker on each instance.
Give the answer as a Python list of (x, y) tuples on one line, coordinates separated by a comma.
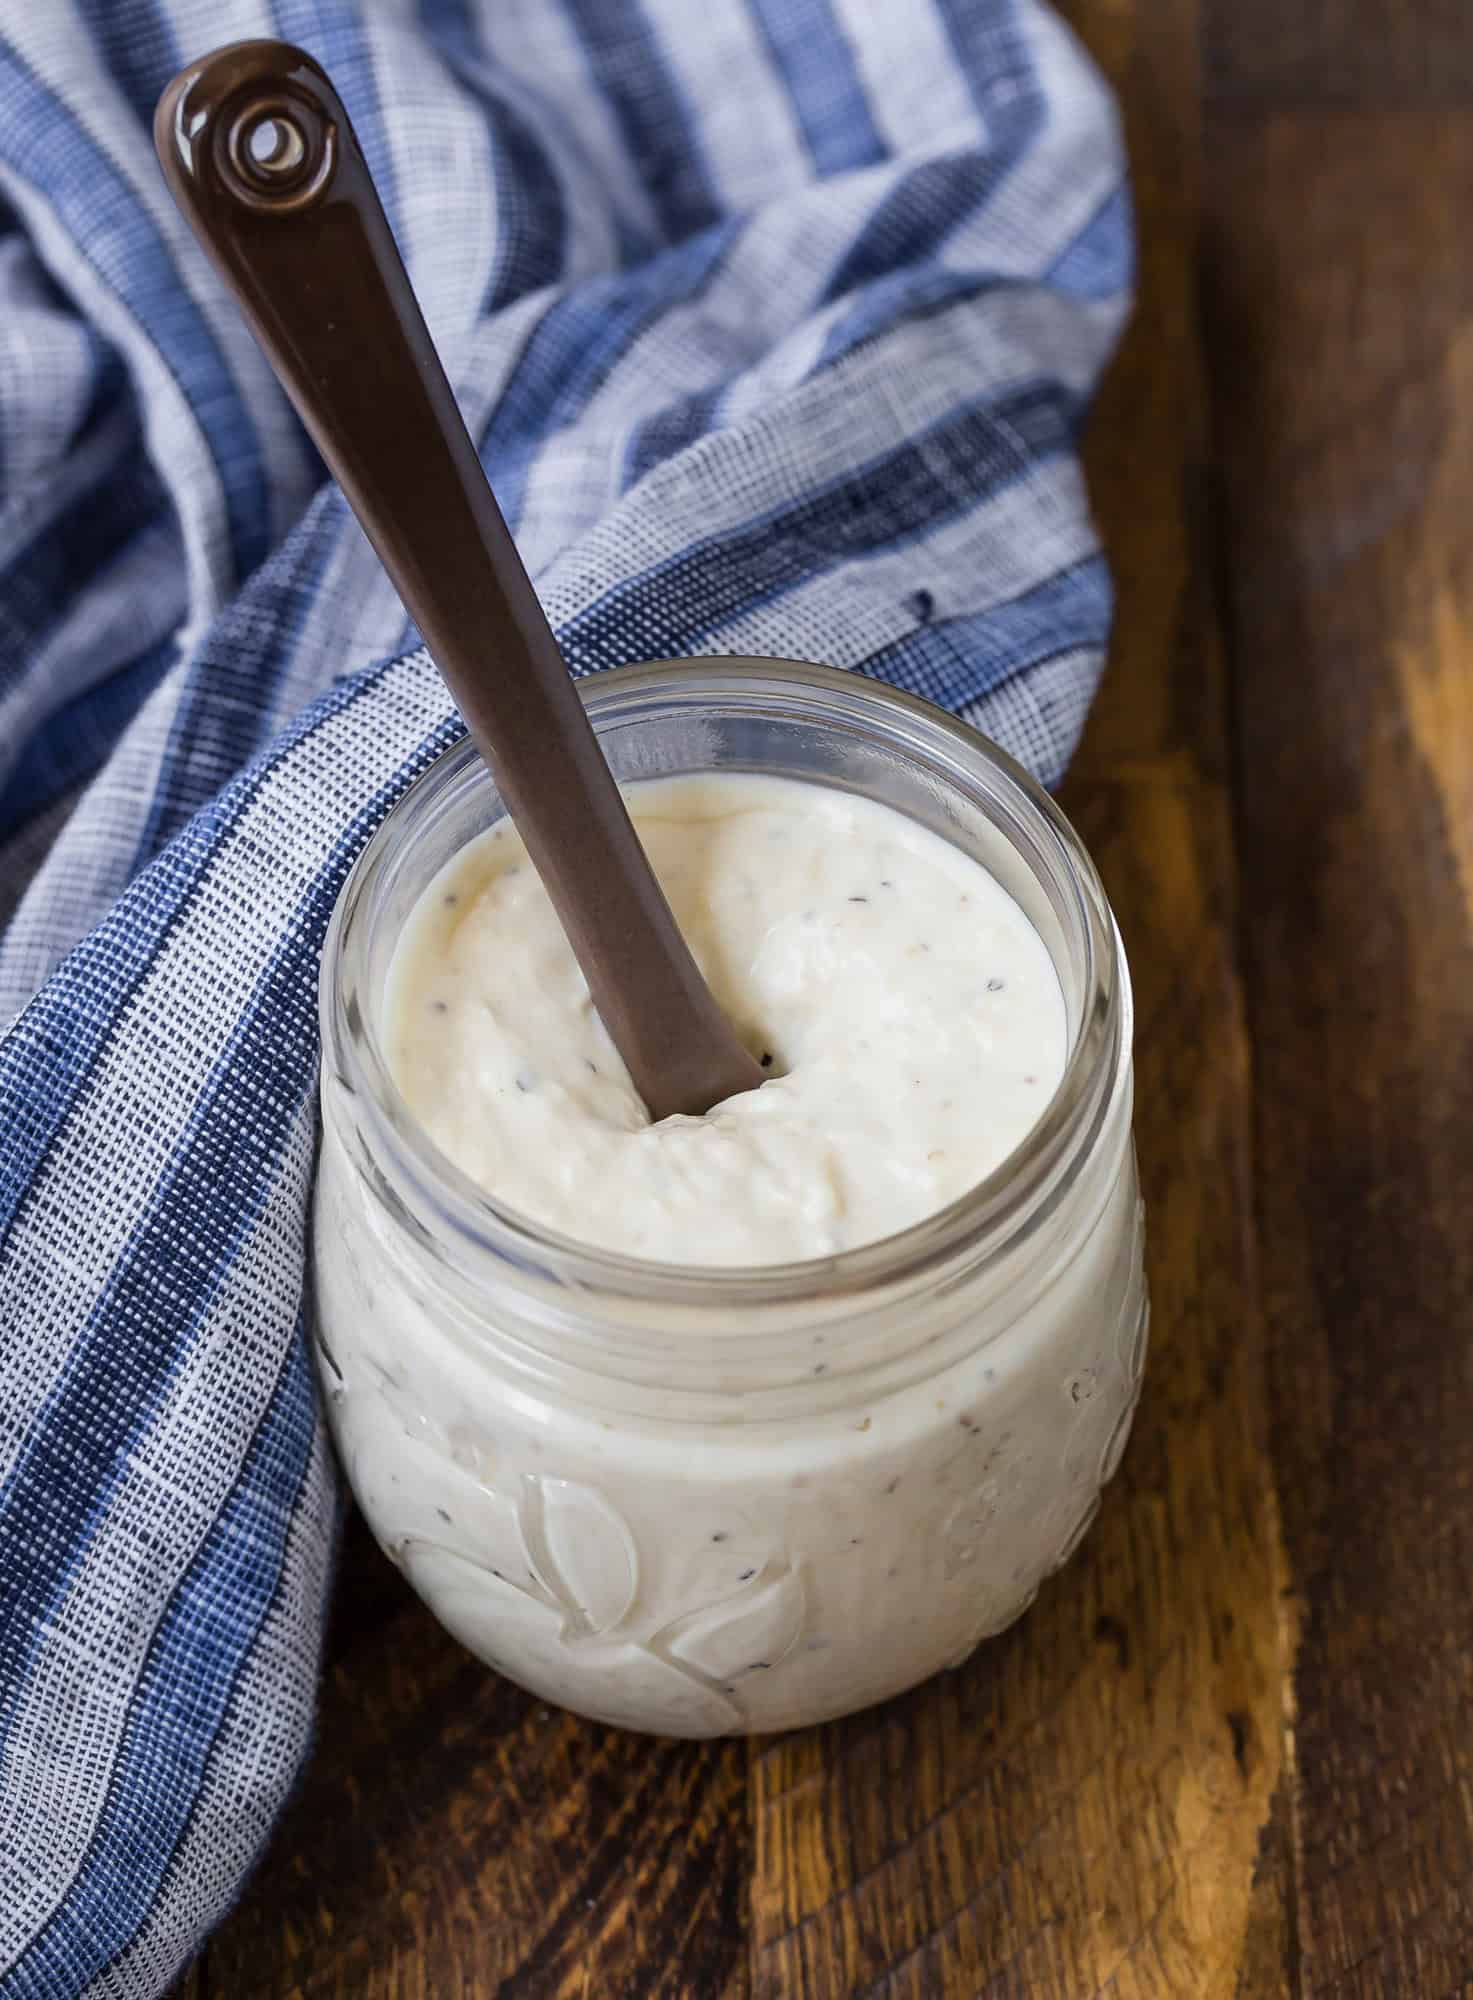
[(990, 1218)]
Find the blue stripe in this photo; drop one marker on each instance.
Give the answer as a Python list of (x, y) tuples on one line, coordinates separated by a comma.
[(531, 229), (80, 736), (533, 234), (661, 436), (1090, 267), (185, 1694), (49, 1058), (135, 42), (44, 145), (109, 393), (10, 227), (333, 32), (972, 453), (813, 56), (574, 348), (45, 577), (1100, 262), (225, 711), (907, 295), (915, 218), (956, 661), (929, 203), (226, 1164), (658, 127), (992, 54)]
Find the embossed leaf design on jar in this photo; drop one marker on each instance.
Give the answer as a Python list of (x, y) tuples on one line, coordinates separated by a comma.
[(752, 1632), (581, 1549), (612, 1680)]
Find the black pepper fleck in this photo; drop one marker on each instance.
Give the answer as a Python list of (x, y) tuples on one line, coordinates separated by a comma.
[(746, 1576), (996, 985), (886, 883), (451, 899), (859, 899), (893, 1484), (439, 1007), (923, 604), (442, 1514), (767, 1059), (820, 1367)]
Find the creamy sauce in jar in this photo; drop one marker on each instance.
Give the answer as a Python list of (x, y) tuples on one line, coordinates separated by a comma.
[(908, 1011), (745, 1498)]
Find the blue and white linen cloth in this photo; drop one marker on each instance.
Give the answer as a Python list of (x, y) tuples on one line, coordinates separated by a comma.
[(775, 320)]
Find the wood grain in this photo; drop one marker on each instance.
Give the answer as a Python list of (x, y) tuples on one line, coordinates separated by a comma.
[(1343, 336), (1230, 1751)]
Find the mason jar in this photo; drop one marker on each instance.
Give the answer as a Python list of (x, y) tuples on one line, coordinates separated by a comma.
[(705, 1501)]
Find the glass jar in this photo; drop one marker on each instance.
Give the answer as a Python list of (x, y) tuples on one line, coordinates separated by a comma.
[(701, 1501)]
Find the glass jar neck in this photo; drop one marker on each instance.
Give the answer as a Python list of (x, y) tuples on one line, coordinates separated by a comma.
[(551, 1304)]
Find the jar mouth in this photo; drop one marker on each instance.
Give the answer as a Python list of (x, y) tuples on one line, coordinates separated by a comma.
[(990, 1218)]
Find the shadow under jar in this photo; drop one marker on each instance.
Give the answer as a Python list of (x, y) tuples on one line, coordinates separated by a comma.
[(700, 1501)]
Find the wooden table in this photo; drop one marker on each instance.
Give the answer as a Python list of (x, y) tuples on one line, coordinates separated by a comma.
[(1230, 1751)]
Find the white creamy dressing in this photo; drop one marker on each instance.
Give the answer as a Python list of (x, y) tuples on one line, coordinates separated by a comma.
[(761, 1557), (912, 1015)]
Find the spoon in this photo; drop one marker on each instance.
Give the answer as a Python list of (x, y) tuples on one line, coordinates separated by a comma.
[(259, 154)]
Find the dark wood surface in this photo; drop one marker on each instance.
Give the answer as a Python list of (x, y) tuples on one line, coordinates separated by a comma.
[(1230, 1751)]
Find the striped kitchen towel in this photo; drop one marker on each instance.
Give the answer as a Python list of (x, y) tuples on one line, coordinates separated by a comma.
[(775, 320)]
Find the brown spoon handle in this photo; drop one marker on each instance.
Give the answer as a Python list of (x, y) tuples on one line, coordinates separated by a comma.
[(258, 152)]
